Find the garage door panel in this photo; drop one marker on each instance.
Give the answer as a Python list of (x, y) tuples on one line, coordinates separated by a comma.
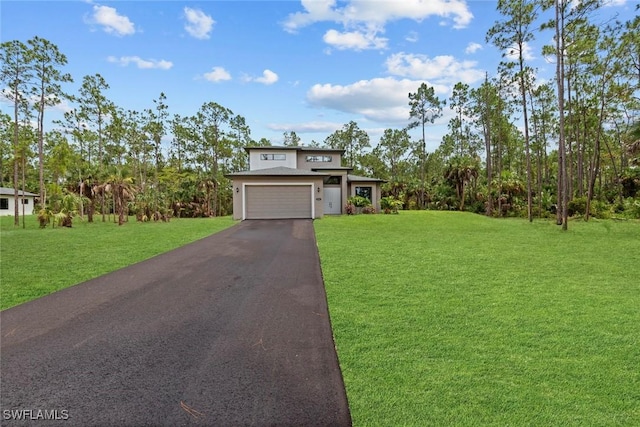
[(278, 201)]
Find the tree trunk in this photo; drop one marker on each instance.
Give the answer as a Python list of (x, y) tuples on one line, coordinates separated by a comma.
[(16, 144), (41, 150), (562, 216)]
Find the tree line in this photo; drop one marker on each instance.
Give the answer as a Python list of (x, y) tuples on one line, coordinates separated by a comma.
[(515, 145)]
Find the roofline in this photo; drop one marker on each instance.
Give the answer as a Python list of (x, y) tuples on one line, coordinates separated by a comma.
[(279, 171), (356, 178), (294, 148), (9, 191)]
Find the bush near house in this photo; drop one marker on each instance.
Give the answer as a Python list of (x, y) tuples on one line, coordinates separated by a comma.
[(359, 201)]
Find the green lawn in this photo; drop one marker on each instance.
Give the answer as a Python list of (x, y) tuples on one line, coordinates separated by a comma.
[(35, 262), (454, 319), (440, 318)]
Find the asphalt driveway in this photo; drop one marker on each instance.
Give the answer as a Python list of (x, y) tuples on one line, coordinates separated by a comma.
[(231, 330)]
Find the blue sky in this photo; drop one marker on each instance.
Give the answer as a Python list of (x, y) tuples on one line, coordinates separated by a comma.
[(305, 66)]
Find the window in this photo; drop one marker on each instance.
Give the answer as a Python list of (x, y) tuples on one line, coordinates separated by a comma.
[(333, 180), (364, 192), (4, 203), (25, 201), (318, 158), (270, 156)]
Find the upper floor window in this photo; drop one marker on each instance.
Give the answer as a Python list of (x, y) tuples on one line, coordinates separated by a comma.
[(271, 156), (318, 158)]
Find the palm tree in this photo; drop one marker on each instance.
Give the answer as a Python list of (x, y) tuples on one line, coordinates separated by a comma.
[(68, 209), (122, 191), (459, 172)]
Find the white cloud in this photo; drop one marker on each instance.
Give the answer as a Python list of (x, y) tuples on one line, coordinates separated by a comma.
[(355, 40), (614, 3), (199, 24), (217, 74), (308, 127), (444, 69), (412, 37), (141, 63), (268, 77), (377, 12), (473, 48), (315, 11), (363, 20), (384, 100), (111, 22)]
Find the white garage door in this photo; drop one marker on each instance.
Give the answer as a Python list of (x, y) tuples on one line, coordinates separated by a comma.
[(278, 201)]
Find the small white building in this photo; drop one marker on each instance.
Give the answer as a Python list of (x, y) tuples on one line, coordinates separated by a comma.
[(8, 202)]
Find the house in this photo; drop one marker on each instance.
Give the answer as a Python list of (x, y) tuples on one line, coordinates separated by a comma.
[(8, 202), (297, 182)]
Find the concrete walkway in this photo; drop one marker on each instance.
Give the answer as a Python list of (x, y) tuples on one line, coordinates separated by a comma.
[(232, 330)]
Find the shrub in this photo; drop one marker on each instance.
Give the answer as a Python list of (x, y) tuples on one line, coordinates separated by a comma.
[(632, 208), (601, 209), (350, 208), (577, 206), (368, 210), (359, 201), (390, 204)]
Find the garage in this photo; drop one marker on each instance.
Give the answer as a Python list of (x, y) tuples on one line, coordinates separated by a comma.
[(271, 201)]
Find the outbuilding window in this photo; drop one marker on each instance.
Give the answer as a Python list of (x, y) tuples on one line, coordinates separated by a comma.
[(364, 192), (4, 203)]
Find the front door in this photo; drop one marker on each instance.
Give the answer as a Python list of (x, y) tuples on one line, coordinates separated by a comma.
[(332, 196)]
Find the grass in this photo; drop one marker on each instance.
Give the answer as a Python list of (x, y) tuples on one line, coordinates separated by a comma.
[(35, 262), (445, 318), (440, 318)]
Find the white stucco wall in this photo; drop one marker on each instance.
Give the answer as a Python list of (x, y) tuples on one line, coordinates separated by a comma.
[(28, 207)]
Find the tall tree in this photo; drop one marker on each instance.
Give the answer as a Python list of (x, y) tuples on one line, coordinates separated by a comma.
[(291, 139), (156, 126), (212, 145), (544, 120), (608, 91), (353, 140), (392, 149), (47, 60), (512, 36), (179, 130), (6, 136), (465, 142), (485, 108), (137, 142), (16, 72), (95, 108), (59, 156), (426, 107), (240, 138), (567, 16)]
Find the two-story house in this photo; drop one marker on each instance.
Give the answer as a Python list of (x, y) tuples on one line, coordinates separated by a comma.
[(297, 182)]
